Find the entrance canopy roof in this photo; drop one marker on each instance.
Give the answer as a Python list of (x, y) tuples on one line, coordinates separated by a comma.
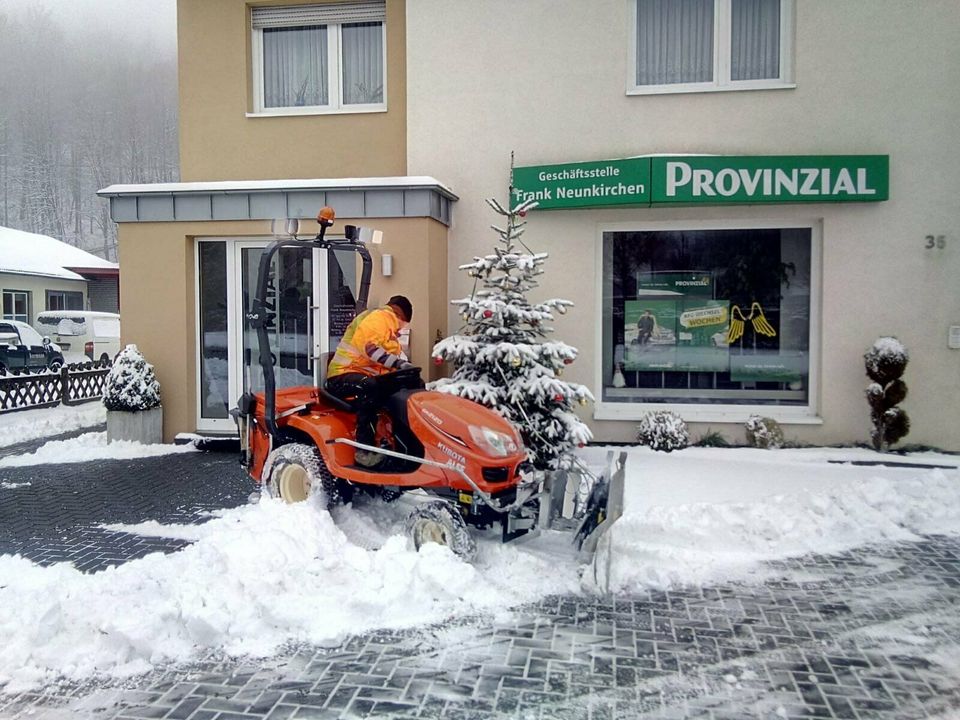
[(419, 196)]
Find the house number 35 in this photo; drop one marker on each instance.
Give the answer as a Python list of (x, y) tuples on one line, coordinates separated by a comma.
[(935, 241)]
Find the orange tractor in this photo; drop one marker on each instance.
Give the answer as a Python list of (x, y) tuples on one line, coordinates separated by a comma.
[(297, 442)]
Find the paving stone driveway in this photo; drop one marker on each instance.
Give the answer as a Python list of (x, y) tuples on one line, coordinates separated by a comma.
[(872, 633)]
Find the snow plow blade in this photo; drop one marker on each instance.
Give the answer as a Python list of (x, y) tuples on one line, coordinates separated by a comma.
[(584, 504), (604, 504)]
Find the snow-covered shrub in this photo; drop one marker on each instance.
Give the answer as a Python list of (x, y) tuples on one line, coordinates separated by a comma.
[(885, 362), (131, 383), (763, 432), (663, 430)]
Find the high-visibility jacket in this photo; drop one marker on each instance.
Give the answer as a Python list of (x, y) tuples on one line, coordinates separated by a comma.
[(370, 345)]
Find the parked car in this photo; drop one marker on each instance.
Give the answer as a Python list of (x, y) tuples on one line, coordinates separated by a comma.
[(22, 347), (82, 332)]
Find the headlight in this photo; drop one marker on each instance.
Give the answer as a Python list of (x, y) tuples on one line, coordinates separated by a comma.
[(494, 443)]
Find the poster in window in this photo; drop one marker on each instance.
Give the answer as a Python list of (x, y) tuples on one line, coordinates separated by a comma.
[(702, 335), (650, 333)]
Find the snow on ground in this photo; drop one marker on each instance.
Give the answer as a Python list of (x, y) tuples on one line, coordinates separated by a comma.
[(259, 576), (705, 514), (91, 446), (24, 425)]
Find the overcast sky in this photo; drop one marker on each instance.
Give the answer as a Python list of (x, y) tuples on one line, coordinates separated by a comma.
[(150, 22)]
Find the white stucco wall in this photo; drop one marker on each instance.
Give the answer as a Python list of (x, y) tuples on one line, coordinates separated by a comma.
[(37, 286), (547, 78)]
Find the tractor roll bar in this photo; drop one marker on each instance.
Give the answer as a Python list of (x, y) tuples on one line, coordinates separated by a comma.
[(258, 317)]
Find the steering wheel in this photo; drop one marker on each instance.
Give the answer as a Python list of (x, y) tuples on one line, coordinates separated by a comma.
[(406, 374)]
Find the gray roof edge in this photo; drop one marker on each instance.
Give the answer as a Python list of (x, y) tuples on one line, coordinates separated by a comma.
[(274, 186)]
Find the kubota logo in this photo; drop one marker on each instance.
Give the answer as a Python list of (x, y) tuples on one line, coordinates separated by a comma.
[(446, 450)]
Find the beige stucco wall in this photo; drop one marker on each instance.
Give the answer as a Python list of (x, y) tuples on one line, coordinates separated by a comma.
[(872, 76), (218, 141), (37, 287), (158, 294)]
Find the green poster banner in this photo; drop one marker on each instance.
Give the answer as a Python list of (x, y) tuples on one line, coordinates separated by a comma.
[(694, 282), (702, 335), (586, 184), (719, 180), (650, 334), (705, 180), (769, 366)]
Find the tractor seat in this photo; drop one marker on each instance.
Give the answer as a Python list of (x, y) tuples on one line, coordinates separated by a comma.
[(338, 403)]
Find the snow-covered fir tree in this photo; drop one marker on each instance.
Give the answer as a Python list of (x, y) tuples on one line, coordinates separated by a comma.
[(500, 356)]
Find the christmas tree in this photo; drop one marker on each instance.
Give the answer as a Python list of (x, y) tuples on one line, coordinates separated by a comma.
[(500, 356)]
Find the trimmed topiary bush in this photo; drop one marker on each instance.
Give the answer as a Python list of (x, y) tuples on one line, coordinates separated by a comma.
[(763, 432), (131, 384), (885, 362), (663, 430)]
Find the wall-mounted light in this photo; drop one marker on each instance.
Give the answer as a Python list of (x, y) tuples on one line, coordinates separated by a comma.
[(386, 265)]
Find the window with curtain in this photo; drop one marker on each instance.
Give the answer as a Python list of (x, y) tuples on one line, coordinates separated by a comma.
[(316, 58), (709, 44)]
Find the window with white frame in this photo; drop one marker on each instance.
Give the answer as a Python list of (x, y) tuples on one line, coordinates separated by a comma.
[(16, 305), (320, 58), (707, 315), (64, 300), (702, 45)]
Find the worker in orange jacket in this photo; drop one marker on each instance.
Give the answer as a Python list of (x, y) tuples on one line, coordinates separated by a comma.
[(370, 347)]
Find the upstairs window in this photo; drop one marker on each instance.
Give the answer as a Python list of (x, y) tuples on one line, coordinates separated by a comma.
[(320, 58), (704, 45)]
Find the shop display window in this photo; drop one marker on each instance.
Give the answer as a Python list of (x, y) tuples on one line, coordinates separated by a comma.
[(707, 316)]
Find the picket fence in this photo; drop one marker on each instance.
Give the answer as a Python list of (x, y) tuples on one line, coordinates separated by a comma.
[(72, 385)]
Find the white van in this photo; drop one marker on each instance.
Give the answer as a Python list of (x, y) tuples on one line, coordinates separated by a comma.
[(79, 333)]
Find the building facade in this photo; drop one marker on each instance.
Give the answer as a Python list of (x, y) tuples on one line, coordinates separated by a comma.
[(823, 275), (739, 196)]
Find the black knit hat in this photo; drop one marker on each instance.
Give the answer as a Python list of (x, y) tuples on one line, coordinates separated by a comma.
[(401, 302)]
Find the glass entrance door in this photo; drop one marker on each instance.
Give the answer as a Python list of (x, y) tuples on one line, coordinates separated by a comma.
[(311, 297), (291, 317)]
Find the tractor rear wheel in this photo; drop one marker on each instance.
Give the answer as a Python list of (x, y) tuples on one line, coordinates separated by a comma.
[(296, 472), (440, 522)]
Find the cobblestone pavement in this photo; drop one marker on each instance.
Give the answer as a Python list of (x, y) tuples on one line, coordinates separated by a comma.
[(871, 633)]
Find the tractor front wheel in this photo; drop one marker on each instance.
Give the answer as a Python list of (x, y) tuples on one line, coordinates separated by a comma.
[(440, 522), (296, 472)]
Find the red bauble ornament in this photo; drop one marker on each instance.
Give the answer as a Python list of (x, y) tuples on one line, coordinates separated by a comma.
[(558, 398), (568, 361), (522, 213), (488, 313), (438, 360)]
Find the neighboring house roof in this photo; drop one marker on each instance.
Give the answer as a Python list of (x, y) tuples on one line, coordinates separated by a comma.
[(24, 253)]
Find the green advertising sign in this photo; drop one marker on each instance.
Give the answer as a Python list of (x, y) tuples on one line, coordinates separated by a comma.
[(586, 184), (705, 180), (718, 180)]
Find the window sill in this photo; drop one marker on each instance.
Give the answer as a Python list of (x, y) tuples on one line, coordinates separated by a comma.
[(293, 112), (708, 414), (710, 87)]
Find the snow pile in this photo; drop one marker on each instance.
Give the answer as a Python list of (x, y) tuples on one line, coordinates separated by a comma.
[(257, 577), (131, 384), (91, 446), (803, 508), (24, 425)]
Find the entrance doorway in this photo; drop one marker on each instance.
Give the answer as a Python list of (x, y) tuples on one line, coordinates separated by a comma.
[(311, 299)]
